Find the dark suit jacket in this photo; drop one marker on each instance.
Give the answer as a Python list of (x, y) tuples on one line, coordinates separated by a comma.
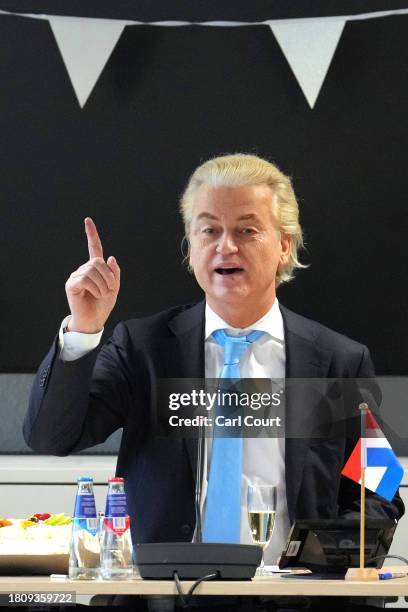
[(77, 404)]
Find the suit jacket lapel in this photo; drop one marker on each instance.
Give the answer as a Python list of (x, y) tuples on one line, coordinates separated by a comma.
[(188, 327), (304, 359)]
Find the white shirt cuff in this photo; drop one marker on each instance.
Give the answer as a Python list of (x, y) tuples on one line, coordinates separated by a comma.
[(74, 345)]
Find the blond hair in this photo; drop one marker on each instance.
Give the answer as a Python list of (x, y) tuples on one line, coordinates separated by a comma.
[(240, 169)]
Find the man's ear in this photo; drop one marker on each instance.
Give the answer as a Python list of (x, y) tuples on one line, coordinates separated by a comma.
[(286, 242), (185, 248), (186, 252)]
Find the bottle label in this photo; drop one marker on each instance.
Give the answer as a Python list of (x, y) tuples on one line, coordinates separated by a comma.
[(116, 505), (117, 524), (85, 507), (88, 524)]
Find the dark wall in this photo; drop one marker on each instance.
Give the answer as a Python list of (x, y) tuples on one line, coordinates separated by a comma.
[(168, 99)]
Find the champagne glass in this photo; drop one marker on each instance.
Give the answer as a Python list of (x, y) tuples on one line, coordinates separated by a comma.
[(261, 507)]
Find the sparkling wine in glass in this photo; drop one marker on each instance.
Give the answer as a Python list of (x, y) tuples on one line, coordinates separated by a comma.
[(261, 507)]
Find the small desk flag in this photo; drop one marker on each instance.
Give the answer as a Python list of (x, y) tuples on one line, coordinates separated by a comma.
[(383, 473)]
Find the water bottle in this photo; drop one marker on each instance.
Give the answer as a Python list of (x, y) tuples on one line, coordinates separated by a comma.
[(84, 558), (116, 547)]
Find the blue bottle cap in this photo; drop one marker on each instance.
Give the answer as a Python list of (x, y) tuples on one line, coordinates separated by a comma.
[(85, 479)]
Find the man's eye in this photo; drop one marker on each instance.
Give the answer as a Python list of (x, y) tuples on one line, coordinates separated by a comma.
[(247, 231), (208, 230)]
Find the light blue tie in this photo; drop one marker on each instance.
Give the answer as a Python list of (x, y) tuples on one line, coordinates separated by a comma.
[(223, 505)]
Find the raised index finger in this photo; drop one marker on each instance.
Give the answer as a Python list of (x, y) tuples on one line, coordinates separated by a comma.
[(94, 242)]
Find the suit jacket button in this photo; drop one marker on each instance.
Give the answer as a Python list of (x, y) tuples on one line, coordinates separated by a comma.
[(185, 529)]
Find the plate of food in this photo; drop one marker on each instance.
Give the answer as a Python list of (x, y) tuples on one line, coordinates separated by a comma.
[(35, 545)]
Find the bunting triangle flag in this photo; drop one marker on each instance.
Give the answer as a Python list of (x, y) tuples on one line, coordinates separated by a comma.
[(308, 46), (85, 45)]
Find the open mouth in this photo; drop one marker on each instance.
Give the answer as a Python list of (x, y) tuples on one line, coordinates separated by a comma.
[(228, 270)]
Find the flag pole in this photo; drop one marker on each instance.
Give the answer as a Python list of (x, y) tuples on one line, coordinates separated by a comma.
[(363, 462), (362, 573)]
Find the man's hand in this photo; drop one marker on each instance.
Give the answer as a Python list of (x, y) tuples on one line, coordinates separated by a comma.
[(92, 290)]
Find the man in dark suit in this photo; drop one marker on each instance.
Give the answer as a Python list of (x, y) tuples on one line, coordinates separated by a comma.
[(243, 232)]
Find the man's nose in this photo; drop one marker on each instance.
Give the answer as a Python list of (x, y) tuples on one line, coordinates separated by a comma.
[(226, 244)]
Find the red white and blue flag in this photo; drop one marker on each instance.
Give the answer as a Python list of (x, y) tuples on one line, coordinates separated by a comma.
[(383, 471)]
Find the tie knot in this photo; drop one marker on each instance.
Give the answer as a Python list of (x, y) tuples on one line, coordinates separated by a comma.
[(234, 346)]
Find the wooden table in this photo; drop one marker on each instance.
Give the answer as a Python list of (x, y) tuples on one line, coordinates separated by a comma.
[(265, 585)]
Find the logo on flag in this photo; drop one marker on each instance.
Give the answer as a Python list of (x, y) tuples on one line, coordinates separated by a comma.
[(383, 471)]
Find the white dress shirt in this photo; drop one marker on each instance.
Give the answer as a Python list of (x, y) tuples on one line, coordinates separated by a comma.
[(263, 458)]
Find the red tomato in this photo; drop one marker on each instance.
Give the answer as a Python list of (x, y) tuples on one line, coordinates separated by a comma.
[(42, 517)]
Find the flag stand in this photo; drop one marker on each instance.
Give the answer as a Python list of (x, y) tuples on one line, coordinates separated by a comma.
[(367, 574)]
